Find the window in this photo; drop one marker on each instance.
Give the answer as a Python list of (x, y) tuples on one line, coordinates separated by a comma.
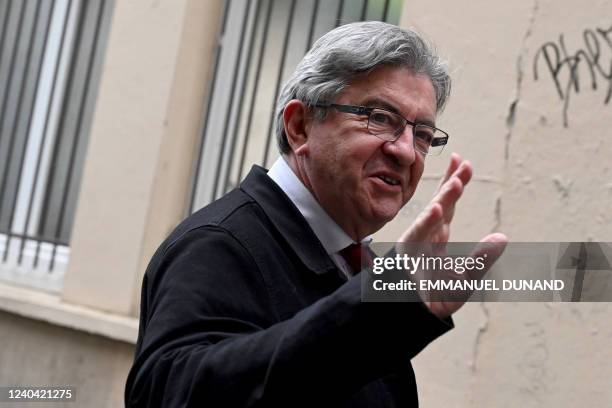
[(50, 59)]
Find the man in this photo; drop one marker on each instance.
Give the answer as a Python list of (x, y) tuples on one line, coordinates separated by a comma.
[(255, 299)]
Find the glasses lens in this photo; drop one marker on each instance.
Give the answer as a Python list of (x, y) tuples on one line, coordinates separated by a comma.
[(384, 124), (388, 126), (429, 140)]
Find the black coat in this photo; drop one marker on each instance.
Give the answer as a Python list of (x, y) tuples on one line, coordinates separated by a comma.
[(242, 307)]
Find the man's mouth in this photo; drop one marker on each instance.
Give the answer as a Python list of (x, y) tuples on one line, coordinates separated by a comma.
[(389, 180)]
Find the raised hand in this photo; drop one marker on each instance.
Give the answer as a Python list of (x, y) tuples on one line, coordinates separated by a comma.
[(432, 226)]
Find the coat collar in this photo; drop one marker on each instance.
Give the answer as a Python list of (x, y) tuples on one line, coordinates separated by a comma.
[(287, 219)]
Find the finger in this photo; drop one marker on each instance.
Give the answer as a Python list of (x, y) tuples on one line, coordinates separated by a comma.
[(425, 224), (452, 190), (453, 165), (457, 168), (448, 197), (464, 172), (490, 248)]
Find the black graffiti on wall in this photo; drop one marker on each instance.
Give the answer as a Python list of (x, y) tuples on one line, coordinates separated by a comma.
[(591, 63)]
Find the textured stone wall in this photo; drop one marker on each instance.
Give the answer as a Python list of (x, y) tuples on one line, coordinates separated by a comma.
[(35, 354), (539, 138)]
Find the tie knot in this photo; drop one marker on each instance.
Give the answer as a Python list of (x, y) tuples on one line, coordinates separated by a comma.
[(357, 255)]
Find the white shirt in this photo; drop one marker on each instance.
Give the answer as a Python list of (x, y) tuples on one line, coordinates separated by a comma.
[(332, 237)]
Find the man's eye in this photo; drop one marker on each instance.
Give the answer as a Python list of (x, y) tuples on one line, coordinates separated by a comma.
[(381, 118), (425, 135)]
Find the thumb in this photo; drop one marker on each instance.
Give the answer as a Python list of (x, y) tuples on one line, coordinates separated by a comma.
[(490, 248)]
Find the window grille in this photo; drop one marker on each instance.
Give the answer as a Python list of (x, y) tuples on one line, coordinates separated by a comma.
[(50, 61)]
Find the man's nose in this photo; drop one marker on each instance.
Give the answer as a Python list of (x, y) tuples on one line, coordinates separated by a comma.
[(402, 149)]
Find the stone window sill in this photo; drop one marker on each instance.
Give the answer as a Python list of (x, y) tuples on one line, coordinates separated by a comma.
[(50, 308)]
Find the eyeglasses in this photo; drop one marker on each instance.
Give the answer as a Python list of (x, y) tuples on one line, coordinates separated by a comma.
[(388, 126)]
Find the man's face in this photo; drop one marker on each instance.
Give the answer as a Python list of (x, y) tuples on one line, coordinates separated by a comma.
[(348, 169)]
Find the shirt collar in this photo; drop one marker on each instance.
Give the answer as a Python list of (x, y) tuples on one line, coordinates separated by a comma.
[(332, 237)]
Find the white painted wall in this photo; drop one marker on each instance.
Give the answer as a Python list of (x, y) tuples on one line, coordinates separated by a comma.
[(536, 179)]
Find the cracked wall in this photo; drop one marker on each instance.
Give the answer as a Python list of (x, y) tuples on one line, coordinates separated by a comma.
[(536, 129)]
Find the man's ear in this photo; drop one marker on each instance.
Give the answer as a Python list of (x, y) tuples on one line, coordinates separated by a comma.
[(295, 118)]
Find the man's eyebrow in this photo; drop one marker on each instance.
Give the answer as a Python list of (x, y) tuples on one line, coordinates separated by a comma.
[(381, 103)]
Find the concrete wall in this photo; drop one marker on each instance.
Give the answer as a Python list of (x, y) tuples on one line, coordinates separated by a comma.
[(34, 353), (542, 173)]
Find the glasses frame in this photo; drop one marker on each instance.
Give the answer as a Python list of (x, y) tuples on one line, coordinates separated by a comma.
[(437, 141)]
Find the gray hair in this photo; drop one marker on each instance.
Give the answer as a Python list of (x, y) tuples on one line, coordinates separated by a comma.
[(352, 49)]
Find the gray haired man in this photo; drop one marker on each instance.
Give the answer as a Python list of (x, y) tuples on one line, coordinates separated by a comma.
[(255, 300)]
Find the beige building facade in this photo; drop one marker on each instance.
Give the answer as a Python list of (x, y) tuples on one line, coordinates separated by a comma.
[(535, 129), (542, 174)]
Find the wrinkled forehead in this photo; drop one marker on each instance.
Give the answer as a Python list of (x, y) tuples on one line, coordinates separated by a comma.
[(397, 89)]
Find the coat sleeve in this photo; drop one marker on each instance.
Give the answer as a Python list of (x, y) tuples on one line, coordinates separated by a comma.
[(210, 337)]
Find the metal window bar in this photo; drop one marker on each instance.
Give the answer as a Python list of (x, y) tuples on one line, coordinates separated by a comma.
[(229, 117), (21, 111), (278, 81), (211, 94), (232, 153), (249, 122), (50, 58), (260, 44)]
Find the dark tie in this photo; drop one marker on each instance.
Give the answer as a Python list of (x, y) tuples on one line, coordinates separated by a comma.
[(357, 255)]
